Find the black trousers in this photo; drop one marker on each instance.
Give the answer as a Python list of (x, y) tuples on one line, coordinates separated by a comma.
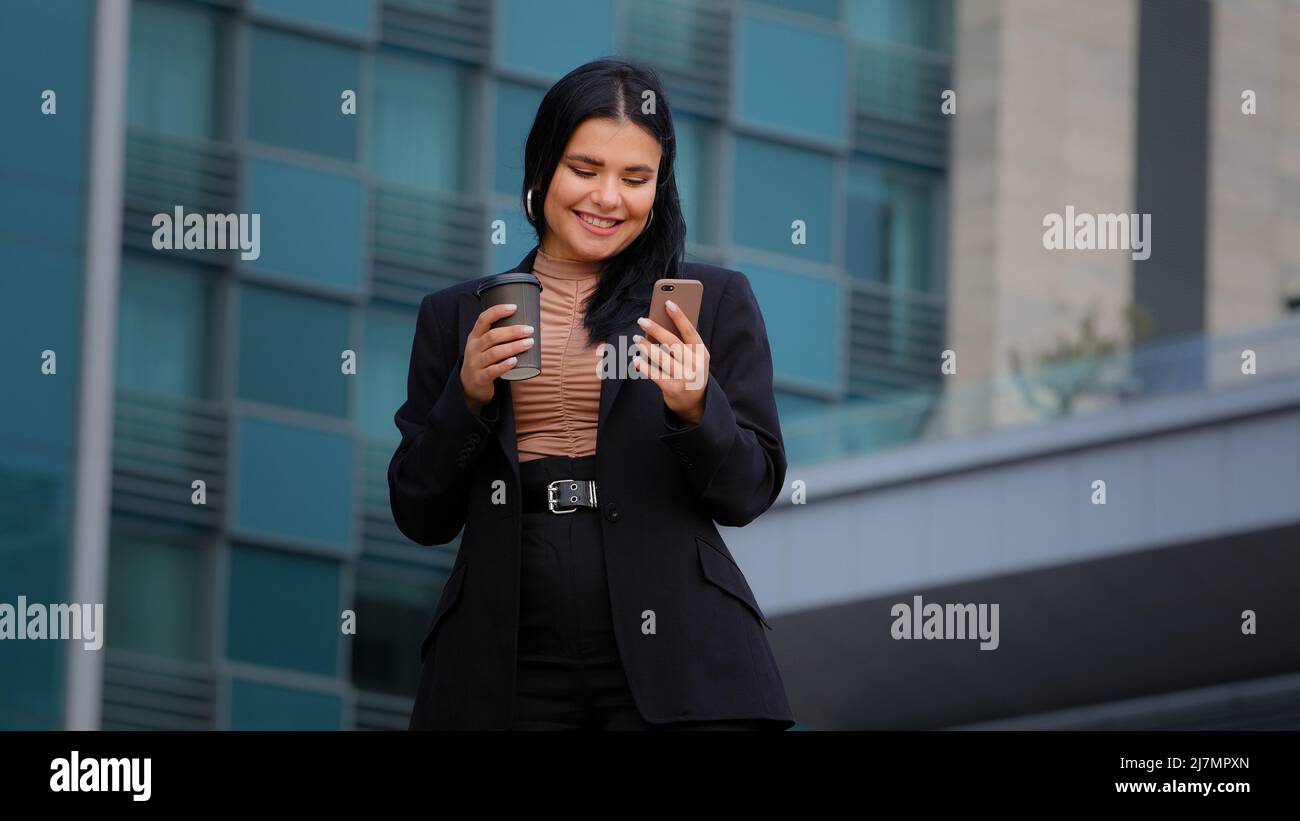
[(569, 675)]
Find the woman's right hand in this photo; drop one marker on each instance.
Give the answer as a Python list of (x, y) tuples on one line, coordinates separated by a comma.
[(490, 352)]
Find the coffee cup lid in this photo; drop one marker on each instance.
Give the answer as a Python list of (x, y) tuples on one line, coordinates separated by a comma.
[(509, 278)]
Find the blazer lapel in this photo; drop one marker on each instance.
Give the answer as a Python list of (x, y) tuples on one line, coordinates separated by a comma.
[(609, 387), (506, 433)]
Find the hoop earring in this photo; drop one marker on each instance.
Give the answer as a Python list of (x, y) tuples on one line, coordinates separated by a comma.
[(649, 220), (529, 206)]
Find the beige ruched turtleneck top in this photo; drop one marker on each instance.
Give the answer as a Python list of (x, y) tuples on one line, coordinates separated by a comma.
[(556, 411)]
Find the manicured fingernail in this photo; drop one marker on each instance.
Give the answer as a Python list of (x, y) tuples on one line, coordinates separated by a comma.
[(528, 329), (643, 322), (672, 304), (511, 305), (638, 338)]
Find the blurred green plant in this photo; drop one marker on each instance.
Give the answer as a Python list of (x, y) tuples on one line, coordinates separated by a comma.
[(1076, 367)]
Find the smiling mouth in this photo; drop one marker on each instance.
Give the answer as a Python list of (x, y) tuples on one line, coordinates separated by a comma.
[(597, 222)]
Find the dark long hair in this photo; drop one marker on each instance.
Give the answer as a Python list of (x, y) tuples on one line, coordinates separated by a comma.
[(612, 88)]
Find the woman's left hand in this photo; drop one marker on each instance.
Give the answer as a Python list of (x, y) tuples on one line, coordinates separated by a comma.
[(681, 369)]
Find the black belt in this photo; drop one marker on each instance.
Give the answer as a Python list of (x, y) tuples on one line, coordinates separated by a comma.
[(560, 496)]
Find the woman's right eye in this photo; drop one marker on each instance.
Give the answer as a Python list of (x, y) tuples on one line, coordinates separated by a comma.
[(583, 173)]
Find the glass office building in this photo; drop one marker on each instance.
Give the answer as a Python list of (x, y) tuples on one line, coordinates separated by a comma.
[(815, 115), (234, 517)]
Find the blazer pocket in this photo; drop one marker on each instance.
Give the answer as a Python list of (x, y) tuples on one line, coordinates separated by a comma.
[(450, 595), (723, 572)]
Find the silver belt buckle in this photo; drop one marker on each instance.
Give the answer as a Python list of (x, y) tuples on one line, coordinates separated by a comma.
[(552, 494)]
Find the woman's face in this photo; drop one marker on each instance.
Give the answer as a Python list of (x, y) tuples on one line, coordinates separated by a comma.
[(608, 172)]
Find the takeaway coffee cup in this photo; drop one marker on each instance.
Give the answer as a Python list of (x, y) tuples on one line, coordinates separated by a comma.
[(524, 290)]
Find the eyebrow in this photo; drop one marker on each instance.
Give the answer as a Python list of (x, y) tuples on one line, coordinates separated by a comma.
[(601, 163)]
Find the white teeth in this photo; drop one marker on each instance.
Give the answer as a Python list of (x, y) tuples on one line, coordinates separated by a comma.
[(598, 223)]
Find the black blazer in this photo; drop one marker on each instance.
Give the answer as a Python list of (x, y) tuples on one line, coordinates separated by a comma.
[(662, 488)]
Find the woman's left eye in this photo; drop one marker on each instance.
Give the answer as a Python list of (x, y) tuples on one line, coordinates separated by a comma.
[(585, 174)]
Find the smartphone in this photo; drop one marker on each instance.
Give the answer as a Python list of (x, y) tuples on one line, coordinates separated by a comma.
[(686, 293)]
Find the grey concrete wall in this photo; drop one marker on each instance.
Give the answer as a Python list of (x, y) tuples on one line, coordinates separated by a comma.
[(1045, 119), (1253, 225), (940, 513)]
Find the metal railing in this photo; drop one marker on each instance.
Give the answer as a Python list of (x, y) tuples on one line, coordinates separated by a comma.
[(893, 335), (461, 29), (1186, 365), (161, 444), (164, 171), (688, 43), (144, 692), (897, 95), (423, 241)]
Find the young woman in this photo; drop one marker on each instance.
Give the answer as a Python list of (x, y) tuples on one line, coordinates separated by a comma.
[(591, 588)]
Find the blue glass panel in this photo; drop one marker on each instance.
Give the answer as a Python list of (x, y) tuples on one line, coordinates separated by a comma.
[(791, 406), (554, 37), (791, 79), (46, 46), (290, 350), (173, 84), (385, 360), (893, 226), (294, 93), (311, 223), (41, 210), (801, 350), (695, 178), (774, 185), (866, 248), (42, 170), (396, 603), (347, 16), (516, 107), (918, 23), (164, 329), (294, 482), (155, 596), (40, 310), (256, 706), (826, 9), (418, 129), (866, 243), (35, 517), (520, 239), (283, 610)]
